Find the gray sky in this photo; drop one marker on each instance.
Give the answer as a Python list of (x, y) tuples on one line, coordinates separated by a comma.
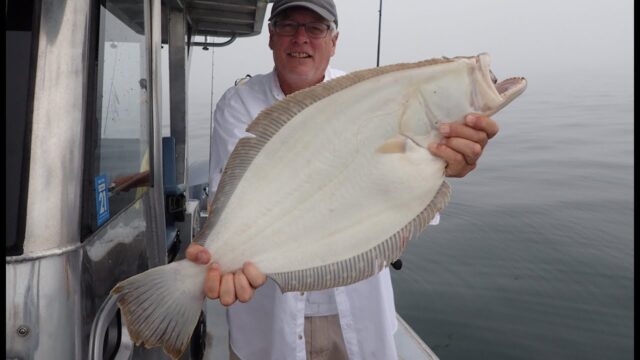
[(524, 38), (552, 43)]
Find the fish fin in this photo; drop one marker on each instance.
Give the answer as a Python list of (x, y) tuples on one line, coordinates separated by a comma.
[(394, 145), (161, 306), (368, 263), (420, 142)]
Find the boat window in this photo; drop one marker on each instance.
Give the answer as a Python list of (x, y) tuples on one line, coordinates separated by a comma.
[(120, 123), (19, 31)]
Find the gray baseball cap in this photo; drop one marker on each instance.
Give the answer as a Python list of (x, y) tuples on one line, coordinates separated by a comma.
[(325, 8)]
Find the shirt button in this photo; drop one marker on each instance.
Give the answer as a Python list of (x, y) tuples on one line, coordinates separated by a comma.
[(299, 337), (302, 293)]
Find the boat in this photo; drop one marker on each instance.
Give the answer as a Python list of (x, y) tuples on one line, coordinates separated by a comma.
[(95, 191)]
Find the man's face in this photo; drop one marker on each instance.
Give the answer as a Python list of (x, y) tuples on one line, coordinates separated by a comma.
[(299, 58)]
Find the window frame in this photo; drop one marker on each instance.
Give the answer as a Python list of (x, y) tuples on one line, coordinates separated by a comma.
[(91, 168), (23, 17)]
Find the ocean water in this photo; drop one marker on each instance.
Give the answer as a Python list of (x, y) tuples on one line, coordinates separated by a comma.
[(533, 257)]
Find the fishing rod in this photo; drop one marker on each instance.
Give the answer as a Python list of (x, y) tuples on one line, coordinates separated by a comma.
[(397, 264), (379, 30)]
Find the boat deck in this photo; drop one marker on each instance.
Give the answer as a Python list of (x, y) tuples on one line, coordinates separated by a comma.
[(409, 345)]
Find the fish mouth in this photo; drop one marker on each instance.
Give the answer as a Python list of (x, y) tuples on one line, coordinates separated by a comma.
[(508, 89)]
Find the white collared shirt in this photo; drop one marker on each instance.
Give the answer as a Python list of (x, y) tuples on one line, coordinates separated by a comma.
[(271, 325)]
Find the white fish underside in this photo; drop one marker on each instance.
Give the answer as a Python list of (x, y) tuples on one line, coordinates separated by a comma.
[(319, 192), (334, 184)]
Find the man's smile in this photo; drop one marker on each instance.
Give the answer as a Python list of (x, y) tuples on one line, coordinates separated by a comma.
[(299, 54)]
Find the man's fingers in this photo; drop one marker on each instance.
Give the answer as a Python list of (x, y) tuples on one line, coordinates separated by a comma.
[(212, 282), (244, 291), (229, 287), (456, 166), (482, 123), (227, 290), (192, 251), (463, 131), (198, 254), (469, 150), (463, 142), (255, 277)]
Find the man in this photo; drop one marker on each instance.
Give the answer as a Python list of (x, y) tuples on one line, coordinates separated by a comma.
[(356, 321)]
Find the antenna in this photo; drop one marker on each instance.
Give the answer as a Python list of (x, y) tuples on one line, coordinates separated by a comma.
[(379, 30), (205, 47)]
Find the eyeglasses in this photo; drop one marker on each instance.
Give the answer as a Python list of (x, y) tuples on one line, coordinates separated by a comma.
[(316, 30)]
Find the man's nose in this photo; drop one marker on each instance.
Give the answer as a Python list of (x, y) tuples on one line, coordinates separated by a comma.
[(301, 34)]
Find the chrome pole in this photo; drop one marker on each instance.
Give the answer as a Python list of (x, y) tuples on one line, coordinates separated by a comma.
[(379, 30)]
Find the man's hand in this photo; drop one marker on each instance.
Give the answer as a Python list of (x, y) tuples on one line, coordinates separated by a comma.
[(463, 142), (228, 287)]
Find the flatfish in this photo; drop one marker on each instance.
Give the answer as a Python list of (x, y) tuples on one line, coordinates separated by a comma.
[(327, 189)]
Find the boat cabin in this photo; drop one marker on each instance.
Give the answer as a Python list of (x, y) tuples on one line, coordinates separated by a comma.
[(95, 192)]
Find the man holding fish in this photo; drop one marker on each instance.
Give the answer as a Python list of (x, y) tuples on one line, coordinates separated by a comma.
[(351, 322)]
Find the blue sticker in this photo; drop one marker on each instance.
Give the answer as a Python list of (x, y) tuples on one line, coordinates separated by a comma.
[(102, 199)]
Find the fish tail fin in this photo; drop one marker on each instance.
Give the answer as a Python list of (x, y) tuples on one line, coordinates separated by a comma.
[(161, 306)]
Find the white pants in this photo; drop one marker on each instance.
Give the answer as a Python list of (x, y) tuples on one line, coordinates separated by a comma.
[(323, 339)]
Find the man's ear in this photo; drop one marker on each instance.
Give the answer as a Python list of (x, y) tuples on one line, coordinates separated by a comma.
[(270, 38), (334, 42)]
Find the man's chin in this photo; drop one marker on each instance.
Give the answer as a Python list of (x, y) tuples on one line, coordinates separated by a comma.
[(300, 65), (300, 71)]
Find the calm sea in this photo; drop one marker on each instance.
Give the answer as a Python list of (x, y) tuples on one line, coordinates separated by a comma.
[(533, 257)]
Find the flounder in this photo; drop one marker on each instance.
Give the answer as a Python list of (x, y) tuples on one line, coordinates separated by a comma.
[(332, 184)]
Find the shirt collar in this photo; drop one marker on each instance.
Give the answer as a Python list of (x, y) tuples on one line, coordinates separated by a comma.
[(275, 86)]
